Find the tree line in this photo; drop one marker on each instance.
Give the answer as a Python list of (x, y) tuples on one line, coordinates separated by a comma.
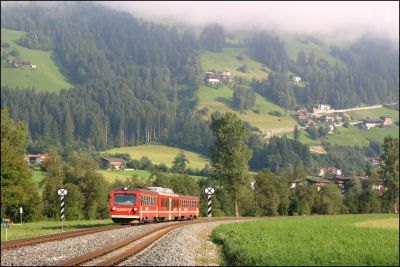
[(237, 191)]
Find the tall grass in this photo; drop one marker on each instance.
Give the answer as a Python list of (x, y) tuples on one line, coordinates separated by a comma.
[(310, 241)]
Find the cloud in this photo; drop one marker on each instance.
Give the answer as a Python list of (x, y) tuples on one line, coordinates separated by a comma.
[(347, 19)]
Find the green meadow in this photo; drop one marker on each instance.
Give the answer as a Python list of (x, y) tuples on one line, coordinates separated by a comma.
[(295, 43), (343, 240), (24, 230), (46, 77), (229, 60), (112, 175), (375, 113), (162, 154), (220, 99)]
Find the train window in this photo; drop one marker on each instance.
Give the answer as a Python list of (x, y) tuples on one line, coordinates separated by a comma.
[(175, 203), (164, 202), (125, 199)]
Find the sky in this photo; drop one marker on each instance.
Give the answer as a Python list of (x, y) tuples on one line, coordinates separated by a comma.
[(341, 19)]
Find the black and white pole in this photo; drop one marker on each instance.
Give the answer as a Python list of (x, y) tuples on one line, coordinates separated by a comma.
[(209, 192), (62, 193)]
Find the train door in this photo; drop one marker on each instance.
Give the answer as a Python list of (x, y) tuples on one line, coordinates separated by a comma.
[(169, 208)]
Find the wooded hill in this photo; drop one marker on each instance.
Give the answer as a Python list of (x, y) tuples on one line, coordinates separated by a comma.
[(135, 82)]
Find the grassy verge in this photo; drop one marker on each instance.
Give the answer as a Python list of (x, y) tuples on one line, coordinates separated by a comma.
[(310, 241), (24, 230)]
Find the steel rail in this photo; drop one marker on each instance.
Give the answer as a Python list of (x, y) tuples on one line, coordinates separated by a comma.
[(57, 236), (160, 232)]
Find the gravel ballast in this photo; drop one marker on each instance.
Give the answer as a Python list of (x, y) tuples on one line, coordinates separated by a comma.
[(186, 246)]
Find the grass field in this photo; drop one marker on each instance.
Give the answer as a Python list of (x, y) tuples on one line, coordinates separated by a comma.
[(221, 100), (294, 45), (47, 76), (312, 241), (111, 176), (37, 176), (375, 113), (24, 230), (228, 61), (162, 154), (350, 136)]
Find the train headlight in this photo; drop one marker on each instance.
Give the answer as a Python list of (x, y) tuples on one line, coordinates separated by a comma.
[(114, 208), (135, 209)]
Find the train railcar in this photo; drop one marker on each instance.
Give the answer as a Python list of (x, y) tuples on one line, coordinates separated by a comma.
[(189, 207), (151, 204)]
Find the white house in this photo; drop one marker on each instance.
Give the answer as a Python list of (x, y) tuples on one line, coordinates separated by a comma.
[(320, 108), (296, 79)]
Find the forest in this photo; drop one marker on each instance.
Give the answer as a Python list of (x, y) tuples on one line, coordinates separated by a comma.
[(135, 81)]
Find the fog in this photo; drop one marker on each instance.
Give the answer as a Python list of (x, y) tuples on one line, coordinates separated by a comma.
[(341, 20)]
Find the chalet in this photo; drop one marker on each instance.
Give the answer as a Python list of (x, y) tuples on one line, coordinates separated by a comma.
[(296, 79), (320, 108), (20, 63), (327, 118), (368, 124), (213, 78), (113, 163), (35, 159), (225, 75), (330, 170), (387, 121), (294, 183), (375, 161), (340, 181), (317, 182)]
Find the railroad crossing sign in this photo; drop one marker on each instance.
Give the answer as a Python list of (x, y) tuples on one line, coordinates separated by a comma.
[(209, 190), (62, 192)]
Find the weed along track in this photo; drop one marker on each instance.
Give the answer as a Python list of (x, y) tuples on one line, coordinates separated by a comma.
[(53, 237), (119, 252)]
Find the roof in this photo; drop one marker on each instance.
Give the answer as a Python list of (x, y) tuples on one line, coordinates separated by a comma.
[(372, 121), (317, 180), (113, 159)]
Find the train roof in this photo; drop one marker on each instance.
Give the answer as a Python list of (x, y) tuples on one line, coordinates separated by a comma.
[(155, 190)]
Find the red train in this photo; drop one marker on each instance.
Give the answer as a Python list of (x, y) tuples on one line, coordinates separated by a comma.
[(151, 204)]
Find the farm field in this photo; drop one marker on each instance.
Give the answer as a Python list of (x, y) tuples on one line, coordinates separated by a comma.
[(343, 240), (47, 76), (221, 100), (228, 61), (111, 175), (375, 113), (350, 136), (24, 230), (162, 154)]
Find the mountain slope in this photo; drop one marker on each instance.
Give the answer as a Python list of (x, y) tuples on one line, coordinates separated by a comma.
[(46, 77)]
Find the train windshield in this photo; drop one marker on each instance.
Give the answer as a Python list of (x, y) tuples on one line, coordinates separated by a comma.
[(125, 199)]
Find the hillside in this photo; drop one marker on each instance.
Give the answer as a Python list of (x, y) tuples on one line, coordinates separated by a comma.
[(230, 60), (46, 77), (221, 100), (161, 154)]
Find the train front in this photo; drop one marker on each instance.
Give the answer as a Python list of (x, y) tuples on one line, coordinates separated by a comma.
[(123, 206)]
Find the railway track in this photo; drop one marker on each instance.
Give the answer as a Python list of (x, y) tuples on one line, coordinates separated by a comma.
[(58, 236), (119, 252)]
